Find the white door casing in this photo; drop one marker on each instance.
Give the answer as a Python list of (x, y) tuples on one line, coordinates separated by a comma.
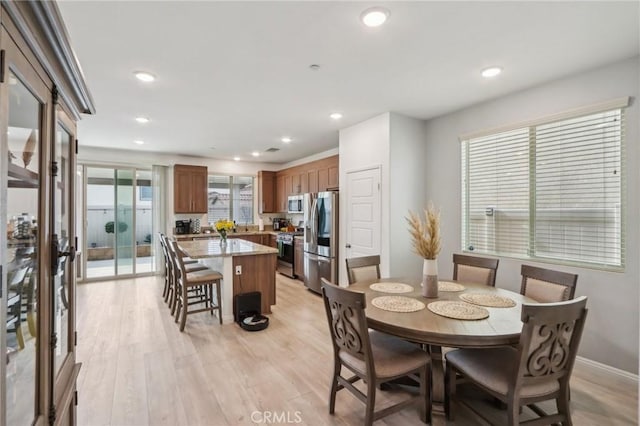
[(363, 213)]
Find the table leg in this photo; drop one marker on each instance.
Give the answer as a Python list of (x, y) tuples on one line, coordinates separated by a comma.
[(438, 416)]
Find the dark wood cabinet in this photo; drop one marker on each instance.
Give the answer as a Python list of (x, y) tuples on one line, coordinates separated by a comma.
[(266, 192), (272, 241), (298, 258), (190, 189)]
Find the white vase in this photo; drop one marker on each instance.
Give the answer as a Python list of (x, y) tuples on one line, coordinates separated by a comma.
[(430, 278)]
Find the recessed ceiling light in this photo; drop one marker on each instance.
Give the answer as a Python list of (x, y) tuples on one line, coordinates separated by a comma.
[(142, 120), (145, 76), (491, 72), (236, 158), (336, 116), (374, 17), (255, 153), (139, 142), (286, 139)]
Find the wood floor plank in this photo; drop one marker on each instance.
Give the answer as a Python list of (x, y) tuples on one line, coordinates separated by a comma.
[(139, 369)]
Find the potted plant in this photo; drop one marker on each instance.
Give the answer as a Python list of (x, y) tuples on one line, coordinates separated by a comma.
[(109, 227)]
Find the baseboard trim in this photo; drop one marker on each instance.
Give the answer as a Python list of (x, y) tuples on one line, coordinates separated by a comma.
[(607, 369)]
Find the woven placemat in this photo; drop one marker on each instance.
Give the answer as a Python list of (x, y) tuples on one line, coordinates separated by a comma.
[(397, 303), (490, 300), (458, 310), (391, 287), (449, 286)]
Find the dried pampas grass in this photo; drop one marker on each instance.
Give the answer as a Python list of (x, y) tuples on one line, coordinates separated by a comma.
[(425, 236)]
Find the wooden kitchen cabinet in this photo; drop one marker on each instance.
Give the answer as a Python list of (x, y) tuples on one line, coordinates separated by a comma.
[(281, 194), (288, 188), (266, 192), (312, 178), (333, 177), (323, 179), (189, 189), (298, 258), (272, 241), (304, 182), (295, 184)]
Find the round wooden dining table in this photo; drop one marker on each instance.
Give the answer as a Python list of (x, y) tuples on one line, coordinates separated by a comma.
[(501, 328)]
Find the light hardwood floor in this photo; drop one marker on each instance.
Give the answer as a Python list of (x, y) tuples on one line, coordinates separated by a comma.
[(138, 369)]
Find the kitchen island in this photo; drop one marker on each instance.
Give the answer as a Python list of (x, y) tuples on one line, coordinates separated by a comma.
[(255, 263)]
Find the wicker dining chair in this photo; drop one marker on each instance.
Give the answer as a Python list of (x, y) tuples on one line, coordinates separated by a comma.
[(373, 357), (546, 285), (538, 369), (363, 268), (475, 269)]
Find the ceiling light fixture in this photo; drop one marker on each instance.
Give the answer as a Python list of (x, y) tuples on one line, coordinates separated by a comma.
[(286, 139), (139, 142), (491, 72), (236, 158), (336, 115), (145, 76), (374, 17), (142, 120), (255, 153)]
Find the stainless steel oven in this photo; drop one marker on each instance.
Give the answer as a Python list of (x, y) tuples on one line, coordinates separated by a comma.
[(286, 255)]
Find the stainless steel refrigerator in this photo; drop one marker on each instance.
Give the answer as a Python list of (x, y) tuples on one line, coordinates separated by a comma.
[(320, 238)]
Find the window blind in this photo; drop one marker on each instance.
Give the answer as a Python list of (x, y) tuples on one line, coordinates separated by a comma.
[(230, 197), (551, 191)]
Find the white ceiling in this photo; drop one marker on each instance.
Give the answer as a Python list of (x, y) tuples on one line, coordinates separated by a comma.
[(234, 77)]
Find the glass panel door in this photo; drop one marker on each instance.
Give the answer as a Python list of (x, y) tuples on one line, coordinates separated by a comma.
[(63, 277), (124, 220), (144, 222), (22, 209), (100, 216), (119, 222)]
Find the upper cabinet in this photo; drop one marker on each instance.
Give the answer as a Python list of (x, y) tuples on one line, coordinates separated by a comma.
[(316, 176), (266, 192), (190, 189)]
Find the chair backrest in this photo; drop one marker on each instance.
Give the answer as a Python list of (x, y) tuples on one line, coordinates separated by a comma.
[(363, 268), (546, 285), (549, 341), (348, 324), (474, 269), (176, 258)]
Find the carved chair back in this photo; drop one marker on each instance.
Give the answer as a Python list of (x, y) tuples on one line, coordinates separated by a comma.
[(177, 261), (363, 268), (549, 342), (474, 269), (546, 285), (348, 324)]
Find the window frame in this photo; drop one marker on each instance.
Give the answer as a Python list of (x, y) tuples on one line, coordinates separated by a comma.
[(231, 198), (612, 105)]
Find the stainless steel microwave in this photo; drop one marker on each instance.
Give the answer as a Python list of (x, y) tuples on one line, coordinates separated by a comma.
[(295, 204)]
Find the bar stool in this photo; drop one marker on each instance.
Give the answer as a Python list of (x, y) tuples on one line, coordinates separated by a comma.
[(194, 288), (191, 265)]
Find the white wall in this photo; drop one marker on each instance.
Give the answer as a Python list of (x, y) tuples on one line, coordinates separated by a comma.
[(362, 146), (396, 143), (611, 333), (407, 175)]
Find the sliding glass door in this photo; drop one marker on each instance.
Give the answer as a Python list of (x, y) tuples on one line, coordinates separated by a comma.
[(118, 222)]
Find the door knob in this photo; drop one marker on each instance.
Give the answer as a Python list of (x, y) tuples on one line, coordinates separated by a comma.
[(348, 245)]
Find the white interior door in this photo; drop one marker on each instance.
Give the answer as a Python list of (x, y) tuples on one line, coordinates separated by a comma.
[(363, 222)]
